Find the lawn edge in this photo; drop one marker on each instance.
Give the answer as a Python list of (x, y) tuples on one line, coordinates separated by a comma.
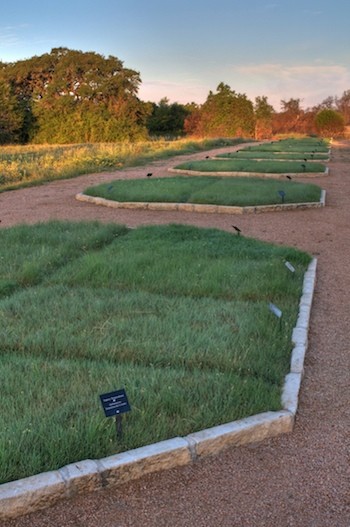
[(40, 491), (198, 207), (263, 175)]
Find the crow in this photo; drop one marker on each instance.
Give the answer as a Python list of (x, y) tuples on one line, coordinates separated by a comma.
[(237, 229), (288, 177), (149, 174)]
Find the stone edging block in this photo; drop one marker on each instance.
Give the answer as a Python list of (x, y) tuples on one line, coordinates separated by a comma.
[(29, 494), (290, 393), (248, 430), (144, 460), (43, 490), (199, 207)]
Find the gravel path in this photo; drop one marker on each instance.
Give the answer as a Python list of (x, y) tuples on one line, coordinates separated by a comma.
[(297, 480)]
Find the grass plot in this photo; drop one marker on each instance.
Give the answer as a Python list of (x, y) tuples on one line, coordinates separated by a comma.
[(207, 189), (176, 315), (251, 165)]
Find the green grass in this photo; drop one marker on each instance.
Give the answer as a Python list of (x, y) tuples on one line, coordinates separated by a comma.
[(175, 314), (293, 145), (22, 166), (251, 165), (207, 189), (259, 154)]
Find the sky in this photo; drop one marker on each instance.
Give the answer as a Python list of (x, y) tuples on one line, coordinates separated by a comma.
[(182, 49)]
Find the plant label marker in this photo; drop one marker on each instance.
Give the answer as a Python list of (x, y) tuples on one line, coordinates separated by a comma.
[(282, 195), (277, 312), (115, 404), (289, 266)]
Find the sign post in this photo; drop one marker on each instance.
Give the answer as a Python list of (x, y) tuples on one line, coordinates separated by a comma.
[(115, 404), (277, 312)]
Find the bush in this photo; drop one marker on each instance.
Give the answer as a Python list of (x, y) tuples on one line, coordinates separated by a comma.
[(329, 123)]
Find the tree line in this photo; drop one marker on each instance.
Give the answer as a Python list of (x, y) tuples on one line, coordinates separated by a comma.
[(69, 96)]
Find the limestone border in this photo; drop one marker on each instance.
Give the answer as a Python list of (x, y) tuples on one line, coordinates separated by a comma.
[(43, 490), (197, 207), (262, 175)]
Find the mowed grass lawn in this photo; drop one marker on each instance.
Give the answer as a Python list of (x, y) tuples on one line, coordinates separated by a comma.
[(176, 315), (305, 149), (308, 144), (262, 154), (264, 166), (207, 189)]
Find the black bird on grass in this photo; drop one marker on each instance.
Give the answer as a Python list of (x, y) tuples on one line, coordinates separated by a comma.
[(150, 174), (237, 229), (288, 177), (206, 157)]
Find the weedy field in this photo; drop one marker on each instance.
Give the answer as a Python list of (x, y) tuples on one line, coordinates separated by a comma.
[(32, 165)]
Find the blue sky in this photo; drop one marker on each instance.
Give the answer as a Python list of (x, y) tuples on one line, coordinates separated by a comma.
[(184, 48)]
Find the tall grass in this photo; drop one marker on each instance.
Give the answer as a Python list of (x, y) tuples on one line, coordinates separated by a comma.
[(175, 314), (29, 165)]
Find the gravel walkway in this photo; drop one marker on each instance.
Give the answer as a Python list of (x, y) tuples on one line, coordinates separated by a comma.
[(297, 480)]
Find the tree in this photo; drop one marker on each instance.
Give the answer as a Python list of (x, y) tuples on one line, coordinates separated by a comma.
[(11, 118), (263, 118), (343, 106), (167, 119), (329, 123), (329, 103), (225, 114), (69, 95)]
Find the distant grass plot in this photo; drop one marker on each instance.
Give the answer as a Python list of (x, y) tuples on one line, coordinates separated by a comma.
[(176, 315), (308, 144), (259, 154), (207, 189), (251, 165)]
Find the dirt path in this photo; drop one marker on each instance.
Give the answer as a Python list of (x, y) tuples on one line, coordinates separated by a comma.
[(298, 480)]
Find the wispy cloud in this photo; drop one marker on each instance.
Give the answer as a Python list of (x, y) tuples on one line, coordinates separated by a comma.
[(311, 83), (10, 35), (185, 92)]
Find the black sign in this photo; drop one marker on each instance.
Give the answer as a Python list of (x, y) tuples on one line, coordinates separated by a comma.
[(115, 403)]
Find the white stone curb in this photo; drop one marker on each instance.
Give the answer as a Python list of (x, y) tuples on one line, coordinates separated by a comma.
[(43, 490), (292, 383), (196, 207), (263, 175)]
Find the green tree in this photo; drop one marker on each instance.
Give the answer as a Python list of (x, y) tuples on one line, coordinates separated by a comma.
[(329, 123), (167, 119), (11, 118), (69, 95), (225, 114)]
